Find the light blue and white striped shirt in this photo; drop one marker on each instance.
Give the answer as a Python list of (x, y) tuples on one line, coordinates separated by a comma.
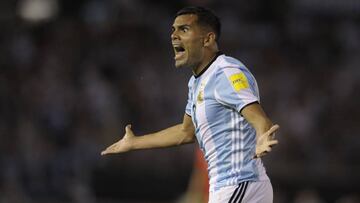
[(216, 97)]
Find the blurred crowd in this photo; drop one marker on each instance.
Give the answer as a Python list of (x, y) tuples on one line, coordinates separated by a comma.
[(74, 73)]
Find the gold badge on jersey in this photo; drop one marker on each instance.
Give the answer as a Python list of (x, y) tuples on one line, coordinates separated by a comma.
[(239, 81), (200, 96)]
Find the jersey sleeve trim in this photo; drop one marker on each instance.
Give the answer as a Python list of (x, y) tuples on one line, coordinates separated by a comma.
[(254, 102)]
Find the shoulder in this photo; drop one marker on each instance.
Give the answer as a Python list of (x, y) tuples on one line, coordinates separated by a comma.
[(228, 65)]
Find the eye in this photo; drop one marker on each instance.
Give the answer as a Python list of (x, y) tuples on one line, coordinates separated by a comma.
[(185, 29)]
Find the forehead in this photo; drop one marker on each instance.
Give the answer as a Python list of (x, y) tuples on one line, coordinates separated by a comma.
[(187, 19)]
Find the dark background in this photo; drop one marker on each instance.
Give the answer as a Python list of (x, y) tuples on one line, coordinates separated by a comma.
[(74, 73)]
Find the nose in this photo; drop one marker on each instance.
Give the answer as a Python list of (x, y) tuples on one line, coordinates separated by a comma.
[(174, 35)]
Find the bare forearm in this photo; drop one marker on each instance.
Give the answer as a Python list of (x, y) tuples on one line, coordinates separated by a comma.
[(262, 125), (169, 137), (176, 135), (265, 129), (255, 115)]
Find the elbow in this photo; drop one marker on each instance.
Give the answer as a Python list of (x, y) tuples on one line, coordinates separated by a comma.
[(187, 138), (190, 138)]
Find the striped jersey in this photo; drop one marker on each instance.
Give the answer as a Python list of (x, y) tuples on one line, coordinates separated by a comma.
[(216, 97)]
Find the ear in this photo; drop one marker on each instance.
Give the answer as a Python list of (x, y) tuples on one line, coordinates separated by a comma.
[(209, 39)]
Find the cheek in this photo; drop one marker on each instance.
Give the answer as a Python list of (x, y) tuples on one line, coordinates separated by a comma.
[(195, 47), (195, 51)]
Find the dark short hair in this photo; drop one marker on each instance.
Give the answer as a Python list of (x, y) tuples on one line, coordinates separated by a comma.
[(205, 17)]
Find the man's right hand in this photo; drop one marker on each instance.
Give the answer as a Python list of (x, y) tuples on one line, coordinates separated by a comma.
[(123, 145)]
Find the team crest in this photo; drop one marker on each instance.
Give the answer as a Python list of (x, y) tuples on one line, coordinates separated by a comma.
[(200, 96)]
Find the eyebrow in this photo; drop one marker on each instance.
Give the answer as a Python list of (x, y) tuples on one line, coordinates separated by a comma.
[(181, 26)]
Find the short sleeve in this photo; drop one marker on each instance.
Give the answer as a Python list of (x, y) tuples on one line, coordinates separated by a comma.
[(235, 88)]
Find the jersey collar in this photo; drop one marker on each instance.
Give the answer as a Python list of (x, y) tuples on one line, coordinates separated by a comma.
[(208, 65)]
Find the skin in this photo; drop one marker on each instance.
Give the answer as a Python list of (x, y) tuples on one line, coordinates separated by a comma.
[(200, 47), (199, 44)]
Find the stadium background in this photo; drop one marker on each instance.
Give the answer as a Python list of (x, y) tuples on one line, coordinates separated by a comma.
[(74, 73)]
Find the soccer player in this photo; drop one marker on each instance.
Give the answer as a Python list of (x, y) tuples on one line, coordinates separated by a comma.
[(223, 113)]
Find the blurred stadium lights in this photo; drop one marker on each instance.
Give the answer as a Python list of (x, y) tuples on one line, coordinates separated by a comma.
[(36, 11)]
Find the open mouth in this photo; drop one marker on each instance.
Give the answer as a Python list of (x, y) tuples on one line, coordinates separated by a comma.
[(179, 51)]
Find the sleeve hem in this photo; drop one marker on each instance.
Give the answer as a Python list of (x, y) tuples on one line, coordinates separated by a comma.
[(243, 106)]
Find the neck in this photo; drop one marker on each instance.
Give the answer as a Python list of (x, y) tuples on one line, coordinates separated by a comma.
[(208, 57)]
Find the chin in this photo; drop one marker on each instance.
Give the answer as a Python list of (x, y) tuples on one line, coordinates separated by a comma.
[(179, 64)]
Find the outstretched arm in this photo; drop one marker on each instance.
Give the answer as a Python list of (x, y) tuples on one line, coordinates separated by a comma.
[(265, 130), (176, 135)]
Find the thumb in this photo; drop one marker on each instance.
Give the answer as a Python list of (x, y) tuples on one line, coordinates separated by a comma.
[(128, 129)]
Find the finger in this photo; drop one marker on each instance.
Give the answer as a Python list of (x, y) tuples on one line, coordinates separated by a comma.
[(109, 149), (268, 149), (273, 129), (106, 151), (272, 143), (265, 150), (273, 135), (259, 155)]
